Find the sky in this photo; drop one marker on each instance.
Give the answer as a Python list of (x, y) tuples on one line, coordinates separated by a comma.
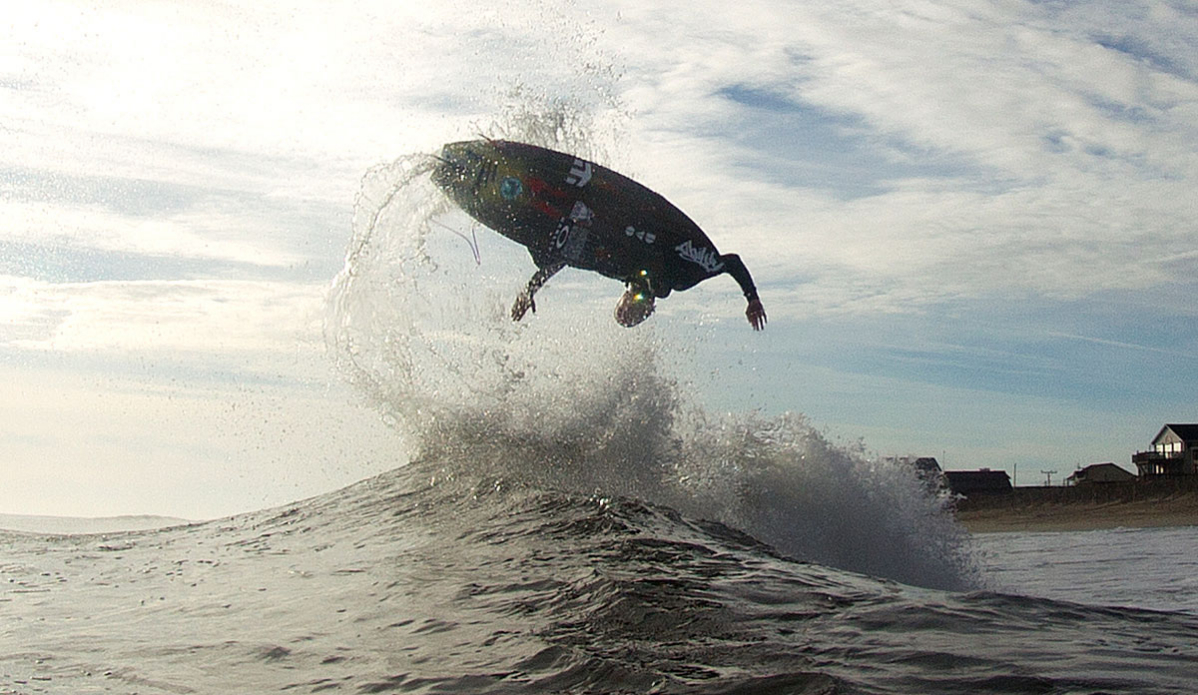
[(972, 223)]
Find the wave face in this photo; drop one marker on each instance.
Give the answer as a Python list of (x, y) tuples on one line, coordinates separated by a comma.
[(577, 404), (427, 580)]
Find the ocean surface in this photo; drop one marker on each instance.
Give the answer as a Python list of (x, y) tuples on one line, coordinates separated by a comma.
[(1151, 568), (565, 516), (426, 580)]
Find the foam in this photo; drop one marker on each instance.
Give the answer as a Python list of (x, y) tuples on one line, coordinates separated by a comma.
[(572, 401)]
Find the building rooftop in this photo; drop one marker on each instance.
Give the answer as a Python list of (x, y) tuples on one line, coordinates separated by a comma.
[(1188, 432)]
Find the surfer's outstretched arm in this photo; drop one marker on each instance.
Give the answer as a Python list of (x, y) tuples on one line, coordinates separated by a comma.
[(735, 267), (524, 301)]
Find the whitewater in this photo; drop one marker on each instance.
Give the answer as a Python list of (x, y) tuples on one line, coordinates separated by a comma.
[(564, 516)]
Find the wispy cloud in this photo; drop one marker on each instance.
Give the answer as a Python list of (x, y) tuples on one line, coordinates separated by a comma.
[(989, 148), (945, 197), (863, 157), (168, 316), (1127, 346)]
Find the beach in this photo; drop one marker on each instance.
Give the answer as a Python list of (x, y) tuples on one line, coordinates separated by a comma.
[(1179, 510)]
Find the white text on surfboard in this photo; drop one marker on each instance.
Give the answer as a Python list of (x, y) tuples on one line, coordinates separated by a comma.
[(702, 256), (580, 173)]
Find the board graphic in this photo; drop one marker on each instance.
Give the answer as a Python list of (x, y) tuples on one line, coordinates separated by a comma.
[(566, 209)]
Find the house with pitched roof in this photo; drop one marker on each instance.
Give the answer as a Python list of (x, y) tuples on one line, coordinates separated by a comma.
[(1173, 452), (983, 481), (1100, 473)]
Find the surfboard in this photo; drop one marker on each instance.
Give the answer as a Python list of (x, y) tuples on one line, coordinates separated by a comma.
[(569, 209)]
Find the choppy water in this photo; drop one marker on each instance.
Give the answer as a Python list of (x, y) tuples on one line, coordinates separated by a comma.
[(427, 581), (571, 521)]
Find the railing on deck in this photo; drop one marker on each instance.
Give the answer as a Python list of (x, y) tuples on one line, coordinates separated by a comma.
[(1150, 456)]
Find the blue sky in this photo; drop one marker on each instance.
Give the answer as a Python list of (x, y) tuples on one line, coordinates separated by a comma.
[(972, 223)]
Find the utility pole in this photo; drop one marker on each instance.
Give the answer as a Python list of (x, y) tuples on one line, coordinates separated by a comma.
[(1049, 474)]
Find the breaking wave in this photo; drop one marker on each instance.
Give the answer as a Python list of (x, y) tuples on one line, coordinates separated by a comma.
[(578, 404)]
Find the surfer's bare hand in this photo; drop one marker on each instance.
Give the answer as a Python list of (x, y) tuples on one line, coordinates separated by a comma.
[(524, 302), (756, 314)]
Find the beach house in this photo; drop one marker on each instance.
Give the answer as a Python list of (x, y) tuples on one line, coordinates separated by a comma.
[(1098, 473), (983, 481), (1172, 453)]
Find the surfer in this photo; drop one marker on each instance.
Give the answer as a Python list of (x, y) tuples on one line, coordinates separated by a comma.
[(639, 299), (570, 212)]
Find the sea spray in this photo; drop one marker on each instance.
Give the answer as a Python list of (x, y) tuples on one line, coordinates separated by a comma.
[(573, 402)]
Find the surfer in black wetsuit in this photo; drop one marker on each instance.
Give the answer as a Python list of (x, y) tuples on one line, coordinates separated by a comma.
[(639, 299), (570, 212)]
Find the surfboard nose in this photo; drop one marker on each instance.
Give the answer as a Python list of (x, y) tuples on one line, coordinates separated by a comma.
[(452, 166), (460, 167)]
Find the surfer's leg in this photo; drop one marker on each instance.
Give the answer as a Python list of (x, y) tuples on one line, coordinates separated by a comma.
[(524, 301)]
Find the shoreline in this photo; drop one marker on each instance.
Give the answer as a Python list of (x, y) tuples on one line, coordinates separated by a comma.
[(1180, 510)]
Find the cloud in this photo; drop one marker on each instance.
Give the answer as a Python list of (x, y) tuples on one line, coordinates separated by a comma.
[(907, 141), (149, 317), (208, 231), (992, 196), (886, 156), (922, 152)]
